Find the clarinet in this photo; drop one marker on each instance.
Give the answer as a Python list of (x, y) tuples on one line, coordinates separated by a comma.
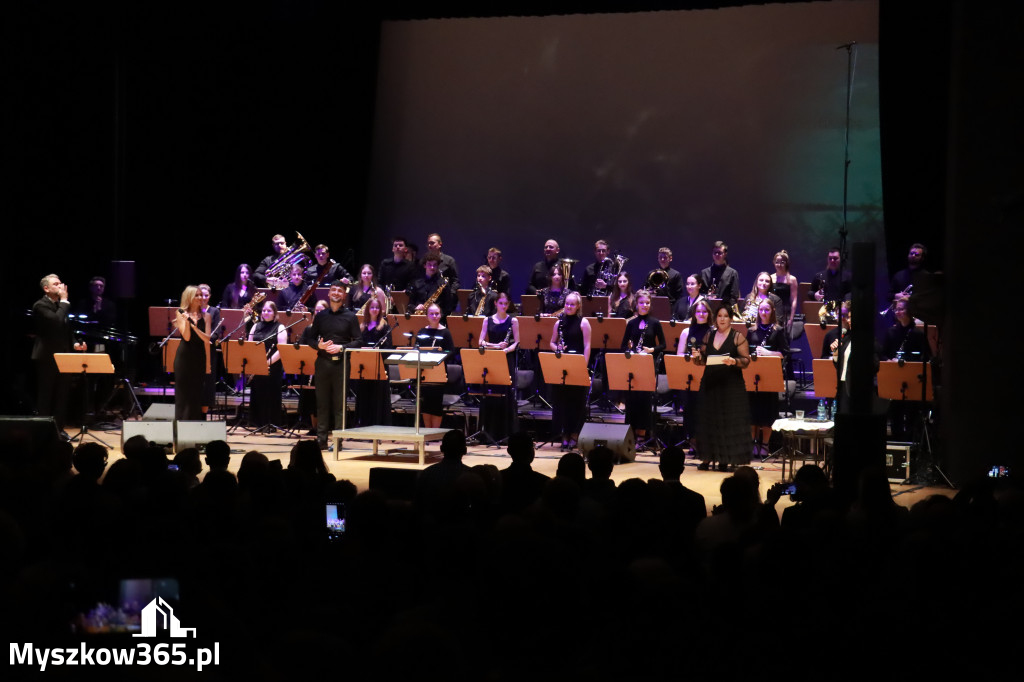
[(560, 344)]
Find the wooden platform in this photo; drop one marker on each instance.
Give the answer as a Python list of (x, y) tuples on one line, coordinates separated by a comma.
[(398, 434)]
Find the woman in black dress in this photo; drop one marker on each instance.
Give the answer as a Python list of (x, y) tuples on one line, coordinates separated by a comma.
[(571, 334), (265, 402), (690, 338), (373, 396), (620, 300), (432, 395), (500, 331), (239, 292), (786, 286), (724, 423), (552, 299), (365, 289), (767, 338), (190, 360), (643, 335), (684, 306)]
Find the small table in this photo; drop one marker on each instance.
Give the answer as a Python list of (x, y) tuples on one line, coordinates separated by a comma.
[(401, 434), (796, 430)]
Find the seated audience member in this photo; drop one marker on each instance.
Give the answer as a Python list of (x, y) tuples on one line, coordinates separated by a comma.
[(521, 485)]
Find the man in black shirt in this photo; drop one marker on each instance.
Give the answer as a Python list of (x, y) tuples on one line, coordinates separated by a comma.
[(720, 280), (398, 271), (540, 276), (901, 281), (448, 267), (288, 297), (594, 282), (259, 277), (334, 330), (827, 285), (53, 335), (500, 279), (673, 280), (425, 287), (325, 269)]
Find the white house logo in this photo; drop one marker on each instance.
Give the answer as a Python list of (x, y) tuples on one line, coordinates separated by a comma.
[(157, 617)]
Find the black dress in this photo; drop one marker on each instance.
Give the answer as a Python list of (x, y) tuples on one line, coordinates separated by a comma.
[(265, 402), (569, 403), (432, 395), (638, 403), (723, 429), (189, 375), (373, 397), (623, 308), (764, 405), (500, 408), (692, 410), (781, 290)]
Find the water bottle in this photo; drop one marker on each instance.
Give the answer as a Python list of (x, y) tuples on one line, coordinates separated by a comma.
[(821, 410)]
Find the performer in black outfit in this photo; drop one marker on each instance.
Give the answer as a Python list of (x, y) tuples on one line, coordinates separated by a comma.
[(724, 422), (265, 403), (448, 268), (904, 341), (552, 298), (190, 360), (373, 397), (500, 331), (768, 337), (53, 335), (325, 269), (620, 299), (719, 280), (398, 271), (280, 245), (643, 335), (307, 394), (673, 287), (239, 292), (540, 276), (597, 278), (899, 285), (827, 285), (571, 334), (288, 298), (98, 308), (365, 289), (335, 329), (500, 279), (683, 309), (692, 337), (786, 286), (425, 287), (216, 331), (434, 335), (482, 293)]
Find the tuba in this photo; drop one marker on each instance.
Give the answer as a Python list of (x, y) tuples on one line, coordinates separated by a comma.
[(277, 273), (565, 268)]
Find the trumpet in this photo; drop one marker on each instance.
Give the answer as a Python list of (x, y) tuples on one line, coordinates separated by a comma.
[(277, 273), (892, 306)]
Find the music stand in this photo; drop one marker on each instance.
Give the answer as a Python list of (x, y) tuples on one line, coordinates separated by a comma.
[(400, 324), (673, 330), (634, 372), (897, 382), (592, 305), (683, 375), (245, 357), (826, 383), (605, 333), (86, 364), (366, 365), (565, 369), (816, 337), (529, 305), (535, 334), (464, 329), (660, 307), (764, 375), (298, 359), (485, 368)]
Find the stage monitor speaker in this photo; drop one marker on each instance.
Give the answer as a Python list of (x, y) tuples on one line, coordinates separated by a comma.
[(618, 437), (160, 412), (397, 484), (198, 434), (159, 432), (27, 435)]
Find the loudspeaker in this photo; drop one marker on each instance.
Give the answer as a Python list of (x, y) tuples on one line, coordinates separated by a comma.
[(618, 437), (27, 435), (160, 412), (198, 434), (159, 432)]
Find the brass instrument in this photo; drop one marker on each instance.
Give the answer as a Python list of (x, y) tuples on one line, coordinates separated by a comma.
[(433, 297), (389, 302), (828, 312), (610, 269), (892, 306), (366, 306), (750, 311), (656, 280), (565, 268), (254, 307), (277, 273)]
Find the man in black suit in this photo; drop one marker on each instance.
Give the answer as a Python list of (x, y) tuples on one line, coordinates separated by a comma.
[(53, 335)]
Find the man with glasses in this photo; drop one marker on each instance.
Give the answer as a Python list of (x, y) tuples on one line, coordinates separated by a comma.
[(827, 284)]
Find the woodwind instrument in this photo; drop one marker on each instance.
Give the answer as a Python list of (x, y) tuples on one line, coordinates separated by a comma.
[(433, 297), (482, 303)]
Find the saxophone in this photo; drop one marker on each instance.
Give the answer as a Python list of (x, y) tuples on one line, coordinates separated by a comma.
[(433, 297), (482, 303)]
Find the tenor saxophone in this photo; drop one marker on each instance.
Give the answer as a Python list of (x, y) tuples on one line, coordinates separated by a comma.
[(433, 297), (482, 303)]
